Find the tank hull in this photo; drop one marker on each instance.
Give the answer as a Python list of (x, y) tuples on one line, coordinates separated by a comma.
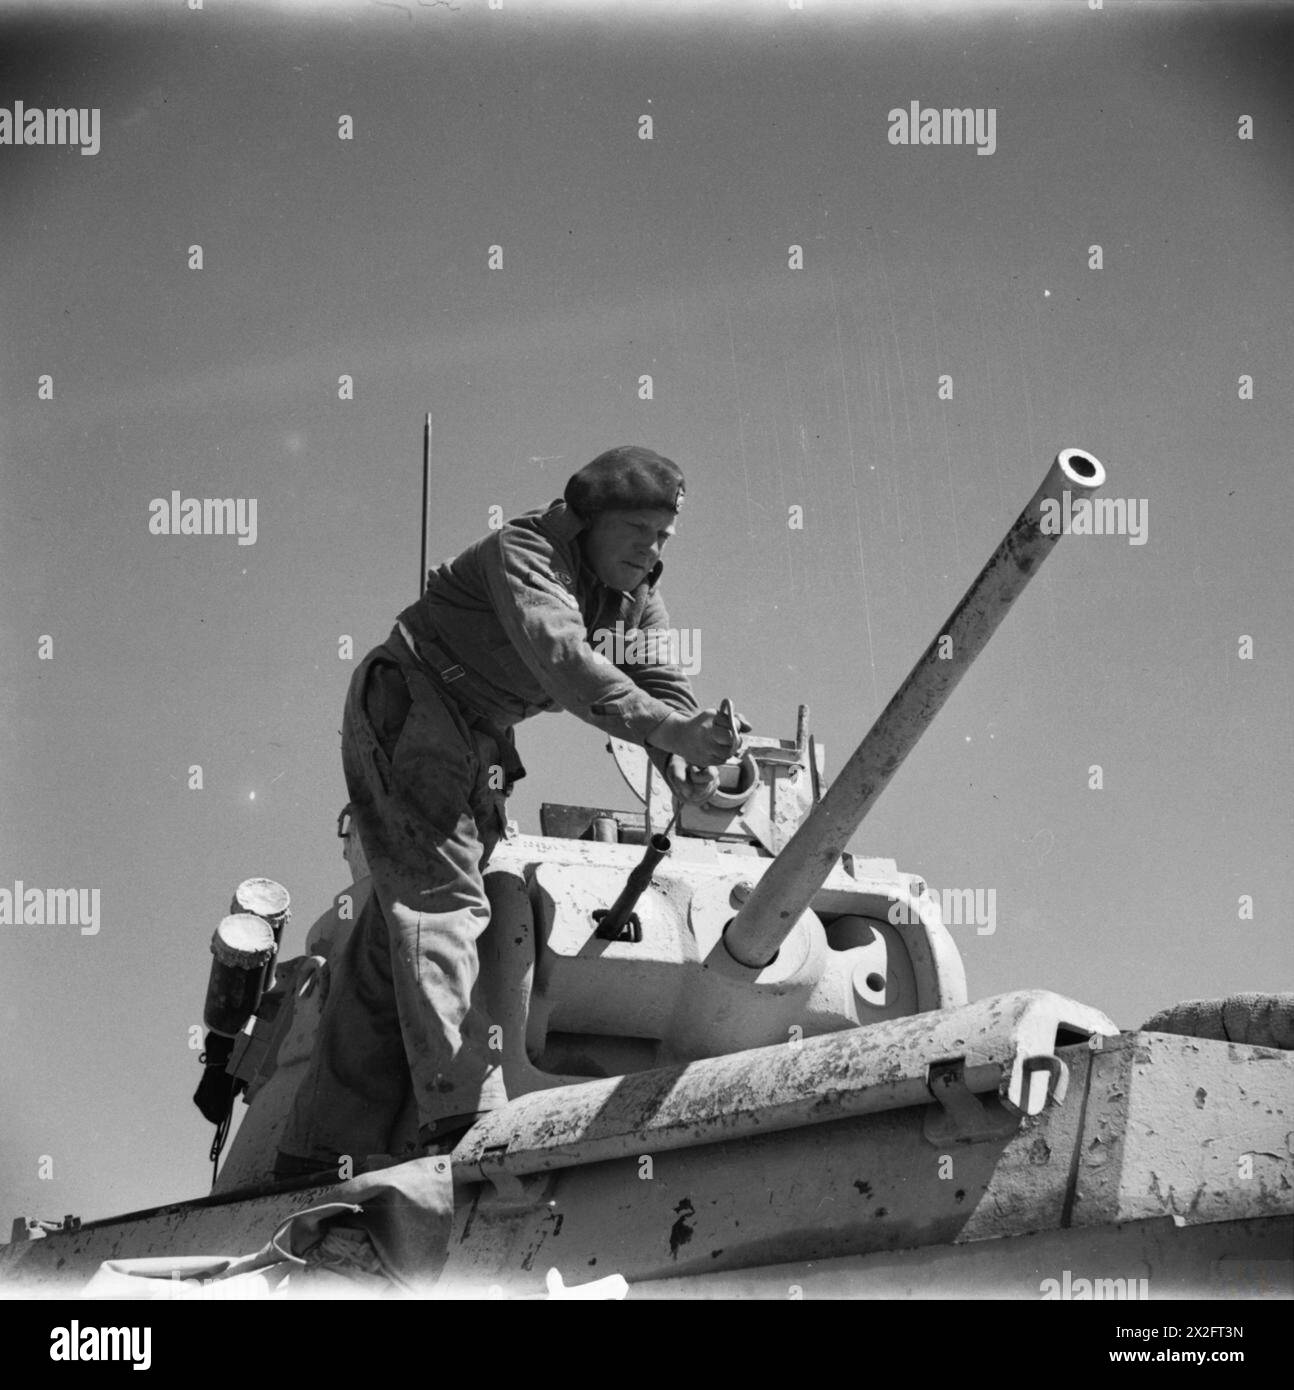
[(1122, 1188)]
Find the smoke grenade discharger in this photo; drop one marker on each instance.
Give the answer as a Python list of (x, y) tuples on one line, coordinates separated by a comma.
[(244, 947), (619, 922)]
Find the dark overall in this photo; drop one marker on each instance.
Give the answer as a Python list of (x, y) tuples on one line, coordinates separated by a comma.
[(427, 782)]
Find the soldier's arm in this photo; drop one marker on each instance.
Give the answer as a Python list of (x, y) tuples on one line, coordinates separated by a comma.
[(663, 678), (540, 614)]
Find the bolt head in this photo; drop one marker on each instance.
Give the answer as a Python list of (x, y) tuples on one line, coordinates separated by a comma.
[(740, 892)]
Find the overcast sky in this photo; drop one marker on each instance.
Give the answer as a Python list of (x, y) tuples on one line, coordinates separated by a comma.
[(773, 388)]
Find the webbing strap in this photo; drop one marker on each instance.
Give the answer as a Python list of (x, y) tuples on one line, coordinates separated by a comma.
[(452, 672)]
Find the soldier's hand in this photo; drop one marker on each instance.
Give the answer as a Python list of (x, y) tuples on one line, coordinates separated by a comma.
[(692, 784), (701, 740)]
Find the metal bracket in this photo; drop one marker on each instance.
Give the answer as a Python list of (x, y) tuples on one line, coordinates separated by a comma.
[(1057, 1083), (775, 757), (960, 1116), (631, 930)]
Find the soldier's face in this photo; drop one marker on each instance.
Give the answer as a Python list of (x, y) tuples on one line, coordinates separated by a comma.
[(621, 547)]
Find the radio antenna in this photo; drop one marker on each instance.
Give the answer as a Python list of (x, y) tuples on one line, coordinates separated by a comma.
[(426, 490)]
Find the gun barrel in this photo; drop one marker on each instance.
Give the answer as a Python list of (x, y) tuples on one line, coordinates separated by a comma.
[(795, 875)]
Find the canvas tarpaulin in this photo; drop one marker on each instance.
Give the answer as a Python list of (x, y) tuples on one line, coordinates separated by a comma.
[(380, 1233), (1260, 1020)]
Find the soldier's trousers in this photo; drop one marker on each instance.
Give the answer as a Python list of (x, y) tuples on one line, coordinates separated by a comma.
[(427, 791)]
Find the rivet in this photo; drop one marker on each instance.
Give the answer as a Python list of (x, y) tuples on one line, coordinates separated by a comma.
[(740, 892)]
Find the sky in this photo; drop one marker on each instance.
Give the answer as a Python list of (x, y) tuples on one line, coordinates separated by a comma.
[(905, 386)]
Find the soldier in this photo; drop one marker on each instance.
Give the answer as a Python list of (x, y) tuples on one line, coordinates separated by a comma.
[(502, 633)]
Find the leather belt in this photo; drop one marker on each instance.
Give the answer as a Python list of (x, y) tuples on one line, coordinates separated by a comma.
[(447, 671)]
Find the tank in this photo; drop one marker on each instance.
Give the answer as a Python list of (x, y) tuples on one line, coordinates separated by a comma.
[(742, 1062)]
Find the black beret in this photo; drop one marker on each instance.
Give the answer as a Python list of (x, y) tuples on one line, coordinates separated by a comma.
[(629, 478)]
